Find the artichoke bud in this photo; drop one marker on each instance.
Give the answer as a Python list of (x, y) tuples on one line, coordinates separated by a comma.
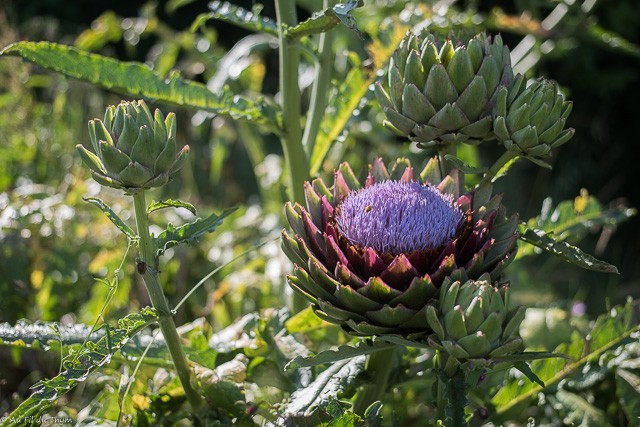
[(133, 149), (479, 325), (529, 121), (441, 92)]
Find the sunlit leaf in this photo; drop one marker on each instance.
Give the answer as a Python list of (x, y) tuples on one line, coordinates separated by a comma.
[(465, 168), (580, 411), (113, 217), (77, 368), (136, 79), (154, 206), (189, 233)]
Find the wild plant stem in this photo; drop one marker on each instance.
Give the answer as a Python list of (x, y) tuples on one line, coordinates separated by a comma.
[(296, 161), (506, 157), (320, 89), (455, 390), (149, 269), (443, 150), (379, 366)]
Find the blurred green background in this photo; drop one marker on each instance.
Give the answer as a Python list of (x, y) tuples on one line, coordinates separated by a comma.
[(53, 245)]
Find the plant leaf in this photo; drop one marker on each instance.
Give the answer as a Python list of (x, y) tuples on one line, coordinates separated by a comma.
[(305, 321), (190, 232), (530, 355), (232, 14), (464, 167), (327, 19), (581, 412), (564, 251), (78, 367), (353, 92), (573, 219), (526, 370), (326, 387), (628, 390), (610, 331), (138, 80), (154, 206), (113, 217), (341, 353)]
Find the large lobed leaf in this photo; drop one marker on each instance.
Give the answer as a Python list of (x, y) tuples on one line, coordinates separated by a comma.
[(138, 80), (232, 14), (327, 19), (609, 332), (77, 368)]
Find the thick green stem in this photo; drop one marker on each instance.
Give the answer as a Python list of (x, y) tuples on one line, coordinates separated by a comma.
[(443, 150), (320, 89), (506, 157), (148, 267), (296, 161), (456, 393), (379, 366)]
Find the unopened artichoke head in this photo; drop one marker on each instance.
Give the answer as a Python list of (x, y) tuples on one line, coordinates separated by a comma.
[(133, 149), (444, 92)]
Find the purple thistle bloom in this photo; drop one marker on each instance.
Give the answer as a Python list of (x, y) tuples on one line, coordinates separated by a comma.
[(399, 217)]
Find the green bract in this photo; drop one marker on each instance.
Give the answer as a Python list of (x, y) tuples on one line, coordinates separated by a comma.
[(530, 120), (475, 320), (439, 93), (132, 148)]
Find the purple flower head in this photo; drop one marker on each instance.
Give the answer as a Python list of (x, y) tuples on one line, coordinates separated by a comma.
[(399, 217)]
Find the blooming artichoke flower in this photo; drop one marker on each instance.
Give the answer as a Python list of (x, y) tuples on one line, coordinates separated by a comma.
[(132, 148), (530, 120), (474, 320), (371, 255), (439, 93)]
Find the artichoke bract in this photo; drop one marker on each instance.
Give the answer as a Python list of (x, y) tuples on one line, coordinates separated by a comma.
[(133, 149), (371, 255), (474, 320), (439, 93), (530, 121)]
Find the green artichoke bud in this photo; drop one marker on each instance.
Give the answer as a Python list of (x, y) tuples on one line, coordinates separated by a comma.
[(439, 93), (475, 320), (133, 148), (530, 121)]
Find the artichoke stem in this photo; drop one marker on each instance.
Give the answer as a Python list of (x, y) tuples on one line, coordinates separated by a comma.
[(158, 300), (296, 161), (451, 392), (379, 366), (445, 165)]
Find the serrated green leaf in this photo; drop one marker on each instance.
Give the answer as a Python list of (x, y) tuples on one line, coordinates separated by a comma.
[(341, 353), (154, 206), (190, 232), (138, 80), (327, 19), (113, 217), (78, 367), (336, 379), (464, 167), (610, 331), (563, 250), (580, 411), (235, 15), (351, 93)]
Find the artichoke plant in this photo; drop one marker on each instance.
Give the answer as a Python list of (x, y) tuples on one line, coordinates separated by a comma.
[(474, 320), (371, 256), (530, 121), (132, 148), (439, 93)]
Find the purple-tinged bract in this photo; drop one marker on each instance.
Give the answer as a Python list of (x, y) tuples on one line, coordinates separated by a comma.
[(371, 255)]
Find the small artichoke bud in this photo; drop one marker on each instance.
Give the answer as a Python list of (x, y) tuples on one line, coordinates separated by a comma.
[(133, 149), (441, 92), (479, 325), (529, 121)]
